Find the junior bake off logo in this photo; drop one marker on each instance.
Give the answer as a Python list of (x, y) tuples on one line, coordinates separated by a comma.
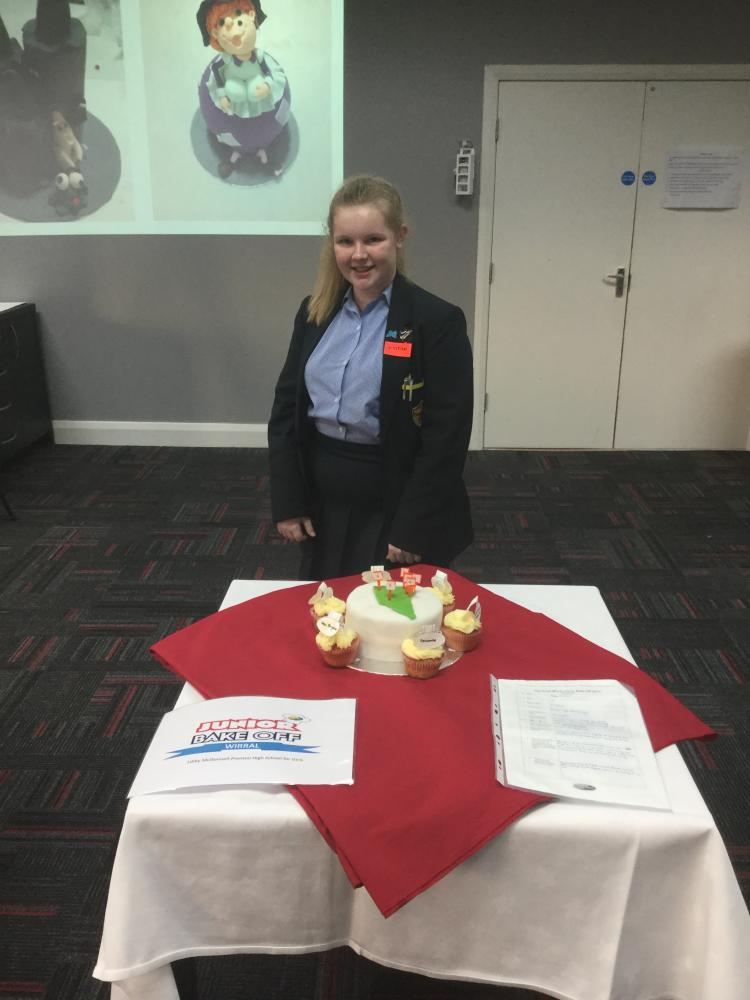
[(250, 733)]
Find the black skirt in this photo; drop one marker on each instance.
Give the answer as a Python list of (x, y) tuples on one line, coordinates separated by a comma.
[(350, 529)]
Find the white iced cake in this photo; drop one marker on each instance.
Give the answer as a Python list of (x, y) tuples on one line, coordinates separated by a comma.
[(382, 630)]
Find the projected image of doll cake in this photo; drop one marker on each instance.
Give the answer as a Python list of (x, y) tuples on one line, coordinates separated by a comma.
[(244, 94)]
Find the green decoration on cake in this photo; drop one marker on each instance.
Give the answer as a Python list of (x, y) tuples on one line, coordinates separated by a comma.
[(400, 601)]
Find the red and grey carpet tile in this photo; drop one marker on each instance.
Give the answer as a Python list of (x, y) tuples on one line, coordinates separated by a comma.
[(114, 548)]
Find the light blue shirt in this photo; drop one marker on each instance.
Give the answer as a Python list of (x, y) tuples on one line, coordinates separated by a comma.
[(344, 371)]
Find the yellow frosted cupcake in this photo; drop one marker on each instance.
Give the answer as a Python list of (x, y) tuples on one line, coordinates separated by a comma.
[(326, 606), (421, 661), (323, 603), (442, 589), (340, 649), (446, 598), (462, 631)]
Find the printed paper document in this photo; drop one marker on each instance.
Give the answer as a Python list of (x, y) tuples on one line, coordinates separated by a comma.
[(250, 740), (709, 177), (575, 739)]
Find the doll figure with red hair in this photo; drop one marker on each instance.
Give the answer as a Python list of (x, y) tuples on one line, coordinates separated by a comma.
[(244, 94)]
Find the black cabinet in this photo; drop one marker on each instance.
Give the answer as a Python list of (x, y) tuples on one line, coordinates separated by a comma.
[(24, 407)]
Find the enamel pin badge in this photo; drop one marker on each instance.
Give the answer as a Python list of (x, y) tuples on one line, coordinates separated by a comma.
[(408, 387)]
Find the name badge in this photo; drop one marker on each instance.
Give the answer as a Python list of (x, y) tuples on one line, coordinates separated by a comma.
[(397, 350)]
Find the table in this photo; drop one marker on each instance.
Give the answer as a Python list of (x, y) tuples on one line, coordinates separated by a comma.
[(579, 901)]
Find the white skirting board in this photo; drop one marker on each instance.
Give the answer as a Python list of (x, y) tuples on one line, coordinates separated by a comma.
[(179, 435), (150, 434)]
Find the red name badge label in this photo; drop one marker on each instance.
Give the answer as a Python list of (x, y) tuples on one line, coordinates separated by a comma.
[(396, 349)]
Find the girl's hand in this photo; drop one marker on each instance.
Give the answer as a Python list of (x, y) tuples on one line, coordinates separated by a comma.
[(396, 555), (296, 529)]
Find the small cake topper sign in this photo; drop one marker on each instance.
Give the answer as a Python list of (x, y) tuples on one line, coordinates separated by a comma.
[(476, 607), (321, 594), (429, 637), (376, 575), (410, 580), (440, 582), (330, 624)]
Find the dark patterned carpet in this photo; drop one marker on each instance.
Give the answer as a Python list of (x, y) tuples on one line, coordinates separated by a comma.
[(114, 548)]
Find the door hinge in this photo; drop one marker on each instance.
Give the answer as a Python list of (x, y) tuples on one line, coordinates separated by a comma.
[(486, 401), (497, 129), (492, 271)]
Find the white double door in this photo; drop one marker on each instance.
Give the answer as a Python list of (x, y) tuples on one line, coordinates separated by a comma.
[(576, 359)]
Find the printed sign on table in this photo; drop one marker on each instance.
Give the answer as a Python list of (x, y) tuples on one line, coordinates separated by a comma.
[(250, 740), (575, 739)]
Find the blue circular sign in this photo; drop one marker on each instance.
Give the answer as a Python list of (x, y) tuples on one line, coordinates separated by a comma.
[(648, 178), (628, 178)]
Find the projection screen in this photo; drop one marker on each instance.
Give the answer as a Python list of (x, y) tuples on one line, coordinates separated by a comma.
[(169, 116)]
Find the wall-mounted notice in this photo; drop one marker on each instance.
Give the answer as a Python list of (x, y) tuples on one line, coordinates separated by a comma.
[(169, 116), (703, 177)]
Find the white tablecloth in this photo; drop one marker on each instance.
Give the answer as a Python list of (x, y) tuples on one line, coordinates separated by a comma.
[(581, 902)]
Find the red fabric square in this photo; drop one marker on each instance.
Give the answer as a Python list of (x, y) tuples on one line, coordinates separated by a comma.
[(425, 795)]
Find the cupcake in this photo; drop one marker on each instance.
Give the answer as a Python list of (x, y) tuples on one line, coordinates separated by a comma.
[(340, 649), (446, 598), (462, 630), (421, 661), (323, 603), (442, 589)]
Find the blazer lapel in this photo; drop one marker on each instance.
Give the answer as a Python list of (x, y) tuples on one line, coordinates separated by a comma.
[(313, 334), (312, 338), (395, 368)]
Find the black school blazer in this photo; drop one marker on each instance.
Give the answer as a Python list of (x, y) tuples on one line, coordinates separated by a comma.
[(424, 430)]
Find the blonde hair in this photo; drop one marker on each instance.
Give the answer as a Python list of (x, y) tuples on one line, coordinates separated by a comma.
[(330, 284)]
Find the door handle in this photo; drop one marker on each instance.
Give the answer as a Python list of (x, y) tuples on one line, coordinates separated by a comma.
[(619, 279)]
